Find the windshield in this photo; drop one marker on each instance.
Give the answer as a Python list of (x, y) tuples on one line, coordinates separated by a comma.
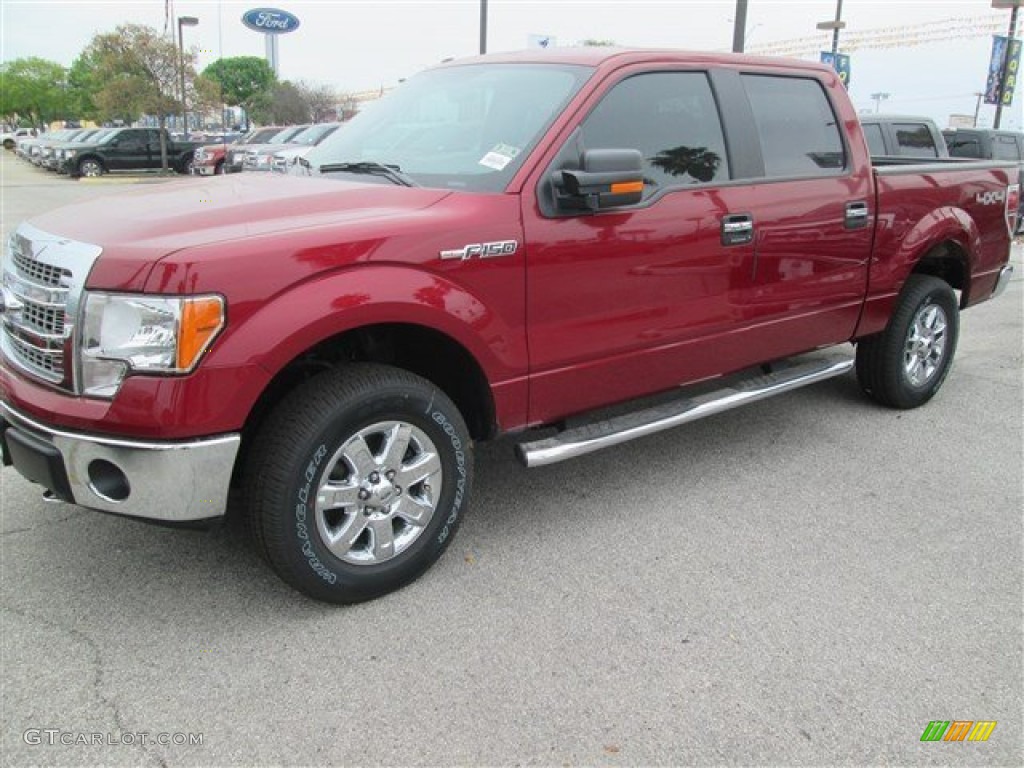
[(286, 135), (312, 135), (467, 127)]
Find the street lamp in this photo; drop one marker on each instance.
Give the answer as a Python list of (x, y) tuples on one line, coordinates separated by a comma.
[(184, 21), (878, 98), (835, 26)]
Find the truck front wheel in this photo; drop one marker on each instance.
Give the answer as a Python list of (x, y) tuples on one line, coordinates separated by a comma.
[(90, 167), (358, 481), (905, 365)]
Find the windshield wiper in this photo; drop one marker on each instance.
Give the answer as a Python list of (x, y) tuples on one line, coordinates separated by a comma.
[(390, 172)]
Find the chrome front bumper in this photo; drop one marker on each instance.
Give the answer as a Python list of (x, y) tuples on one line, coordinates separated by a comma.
[(1003, 280), (166, 481)]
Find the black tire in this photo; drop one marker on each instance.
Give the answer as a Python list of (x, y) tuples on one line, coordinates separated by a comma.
[(185, 165), (8, 144), (218, 169), (906, 364), (90, 166), (310, 439)]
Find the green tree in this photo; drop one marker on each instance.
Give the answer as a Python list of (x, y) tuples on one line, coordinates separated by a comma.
[(83, 85), (287, 105), (245, 81), (32, 88), (139, 71)]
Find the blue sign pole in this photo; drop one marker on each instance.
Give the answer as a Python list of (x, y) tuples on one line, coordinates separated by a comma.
[(840, 62)]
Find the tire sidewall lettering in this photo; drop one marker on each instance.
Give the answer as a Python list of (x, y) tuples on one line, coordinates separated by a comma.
[(460, 467), (303, 511)]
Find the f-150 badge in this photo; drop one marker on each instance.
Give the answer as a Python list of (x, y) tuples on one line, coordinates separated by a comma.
[(483, 250)]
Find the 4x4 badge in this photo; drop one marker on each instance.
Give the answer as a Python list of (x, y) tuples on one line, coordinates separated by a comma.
[(483, 250)]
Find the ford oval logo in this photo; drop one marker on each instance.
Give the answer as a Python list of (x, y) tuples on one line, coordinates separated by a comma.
[(271, 21)]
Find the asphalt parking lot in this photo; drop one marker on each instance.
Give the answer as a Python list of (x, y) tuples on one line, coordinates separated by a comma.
[(808, 581)]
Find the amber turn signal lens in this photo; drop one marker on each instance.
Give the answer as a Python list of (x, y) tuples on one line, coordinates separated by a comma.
[(201, 320), (627, 187)]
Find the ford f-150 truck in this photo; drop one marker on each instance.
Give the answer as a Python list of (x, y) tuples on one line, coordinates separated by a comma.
[(503, 243), (130, 149)]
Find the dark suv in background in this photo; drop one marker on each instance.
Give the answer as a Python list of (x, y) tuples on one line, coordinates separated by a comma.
[(989, 144)]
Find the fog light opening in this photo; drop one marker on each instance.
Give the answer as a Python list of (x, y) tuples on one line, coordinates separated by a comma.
[(107, 481)]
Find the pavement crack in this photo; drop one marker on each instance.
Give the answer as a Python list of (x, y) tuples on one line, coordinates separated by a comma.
[(45, 524), (98, 678)]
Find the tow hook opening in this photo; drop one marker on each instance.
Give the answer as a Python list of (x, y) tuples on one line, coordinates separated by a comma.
[(107, 481)]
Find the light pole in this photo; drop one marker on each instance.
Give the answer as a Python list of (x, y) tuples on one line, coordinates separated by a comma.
[(878, 98), (483, 27), (739, 27), (835, 26), (184, 21)]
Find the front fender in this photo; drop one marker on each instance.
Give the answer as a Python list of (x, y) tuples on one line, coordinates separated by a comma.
[(330, 304)]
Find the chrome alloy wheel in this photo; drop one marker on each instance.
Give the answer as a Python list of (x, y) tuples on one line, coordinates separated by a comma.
[(926, 344), (378, 493), (91, 168)]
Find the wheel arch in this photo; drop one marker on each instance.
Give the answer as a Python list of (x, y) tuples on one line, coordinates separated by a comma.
[(419, 349), (948, 261), (90, 156)]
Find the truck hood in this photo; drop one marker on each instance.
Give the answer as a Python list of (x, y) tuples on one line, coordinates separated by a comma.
[(182, 214)]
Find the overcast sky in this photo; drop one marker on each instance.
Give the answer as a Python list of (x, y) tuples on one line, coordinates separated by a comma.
[(357, 45)]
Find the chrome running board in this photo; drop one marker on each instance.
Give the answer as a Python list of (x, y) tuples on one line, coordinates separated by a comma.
[(588, 438)]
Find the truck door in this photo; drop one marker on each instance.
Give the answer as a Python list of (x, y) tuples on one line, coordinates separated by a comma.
[(130, 150), (813, 218), (633, 300)]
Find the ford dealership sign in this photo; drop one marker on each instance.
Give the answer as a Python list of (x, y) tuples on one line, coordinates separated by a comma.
[(271, 21)]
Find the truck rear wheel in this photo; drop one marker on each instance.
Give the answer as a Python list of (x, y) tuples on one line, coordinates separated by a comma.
[(358, 481), (906, 364)]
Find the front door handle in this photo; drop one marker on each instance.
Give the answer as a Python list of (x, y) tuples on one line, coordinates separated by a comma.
[(737, 229), (857, 215)]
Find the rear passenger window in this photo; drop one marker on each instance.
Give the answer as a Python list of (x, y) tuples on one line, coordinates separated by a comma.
[(796, 125), (914, 140), (1005, 148), (876, 144), (963, 146), (672, 118)]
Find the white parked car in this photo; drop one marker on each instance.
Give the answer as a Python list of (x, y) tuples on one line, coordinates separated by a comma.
[(10, 138)]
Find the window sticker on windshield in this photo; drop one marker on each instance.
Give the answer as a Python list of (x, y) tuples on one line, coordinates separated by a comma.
[(499, 156)]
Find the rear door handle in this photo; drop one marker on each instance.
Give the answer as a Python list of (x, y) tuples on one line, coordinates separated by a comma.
[(857, 215), (737, 229)]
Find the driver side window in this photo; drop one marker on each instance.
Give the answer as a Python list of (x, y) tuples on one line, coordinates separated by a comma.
[(672, 118)]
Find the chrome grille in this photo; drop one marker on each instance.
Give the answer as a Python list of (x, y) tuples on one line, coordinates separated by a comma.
[(47, 320), (37, 270), (49, 363), (43, 277)]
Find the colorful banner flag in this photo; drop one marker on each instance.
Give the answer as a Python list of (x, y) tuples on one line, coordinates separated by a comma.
[(995, 69), (1012, 70)]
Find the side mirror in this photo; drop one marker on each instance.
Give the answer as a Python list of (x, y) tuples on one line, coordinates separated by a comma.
[(609, 178)]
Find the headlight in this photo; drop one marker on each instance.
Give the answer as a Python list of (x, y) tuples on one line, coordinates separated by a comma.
[(124, 334), (69, 153)]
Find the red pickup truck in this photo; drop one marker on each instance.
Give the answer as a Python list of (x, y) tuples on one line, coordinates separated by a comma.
[(503, 243)]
